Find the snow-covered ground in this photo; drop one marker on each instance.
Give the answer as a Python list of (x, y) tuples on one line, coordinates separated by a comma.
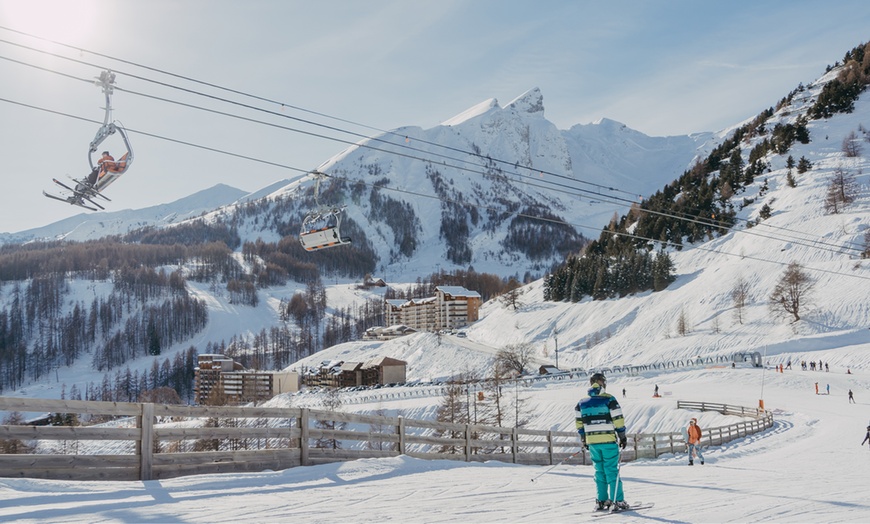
[(809, 467)]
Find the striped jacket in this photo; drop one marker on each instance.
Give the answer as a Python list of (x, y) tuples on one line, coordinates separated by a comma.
[(599, 418)]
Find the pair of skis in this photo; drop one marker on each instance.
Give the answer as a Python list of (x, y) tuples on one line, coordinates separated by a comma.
[(633, 507), (79, 196)]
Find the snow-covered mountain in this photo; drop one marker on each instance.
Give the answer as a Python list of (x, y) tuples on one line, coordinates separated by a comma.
[(90, 226), (464, 190), (465, 193), (644, 328)]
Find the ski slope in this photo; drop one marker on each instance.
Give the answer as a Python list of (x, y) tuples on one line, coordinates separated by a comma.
[(808, 468)]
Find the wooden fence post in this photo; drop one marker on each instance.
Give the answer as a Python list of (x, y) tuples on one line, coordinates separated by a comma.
[(146, 441), (467, 443), (401, 431), (515, 445), (550, 446), (303, 438)]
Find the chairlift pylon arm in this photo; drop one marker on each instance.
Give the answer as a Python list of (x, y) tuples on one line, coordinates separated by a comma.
[(106, 80)]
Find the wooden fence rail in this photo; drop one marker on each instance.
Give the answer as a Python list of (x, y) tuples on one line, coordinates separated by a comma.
[(153, 441)]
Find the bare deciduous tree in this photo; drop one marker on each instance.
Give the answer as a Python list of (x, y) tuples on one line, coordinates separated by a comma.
[(14, 445), (791, 292), (515, 357), (511, 297), (740, 296), (683, 323), (842, 190), (852, 145), (332, 401)]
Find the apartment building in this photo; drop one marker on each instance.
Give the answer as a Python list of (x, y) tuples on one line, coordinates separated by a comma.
[(219, 377), (452, 307)]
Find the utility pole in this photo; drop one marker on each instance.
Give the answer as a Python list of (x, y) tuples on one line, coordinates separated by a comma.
[(556, 337)]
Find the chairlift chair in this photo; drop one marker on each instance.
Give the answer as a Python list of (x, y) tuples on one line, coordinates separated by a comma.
[(118, 167), (321, 229)]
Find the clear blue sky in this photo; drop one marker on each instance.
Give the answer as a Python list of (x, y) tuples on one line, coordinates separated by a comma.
[(662, 68)]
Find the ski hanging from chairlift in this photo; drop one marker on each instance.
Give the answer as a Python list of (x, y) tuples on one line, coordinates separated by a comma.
[(104, 169), (321, 228)]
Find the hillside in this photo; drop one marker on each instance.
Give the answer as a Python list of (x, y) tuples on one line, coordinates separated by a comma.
[(775, 224)]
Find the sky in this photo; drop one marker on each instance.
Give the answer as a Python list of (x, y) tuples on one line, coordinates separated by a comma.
[(663, 68)]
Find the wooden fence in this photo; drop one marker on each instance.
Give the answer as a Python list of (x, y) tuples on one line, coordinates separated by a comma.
[(155, 441)]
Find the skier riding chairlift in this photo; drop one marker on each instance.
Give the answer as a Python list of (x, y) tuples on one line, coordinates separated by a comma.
[(110, 169), (106, 169)]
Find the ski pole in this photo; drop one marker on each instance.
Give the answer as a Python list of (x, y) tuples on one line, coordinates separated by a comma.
[(618, 472), (566, 459)]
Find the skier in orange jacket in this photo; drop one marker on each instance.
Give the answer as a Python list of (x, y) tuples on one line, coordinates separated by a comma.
[(693, 441)]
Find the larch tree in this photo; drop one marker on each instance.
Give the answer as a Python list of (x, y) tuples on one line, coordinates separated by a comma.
[(790, 294)]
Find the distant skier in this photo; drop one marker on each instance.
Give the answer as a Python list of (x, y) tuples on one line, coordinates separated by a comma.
[(867, 436), (623, 392), (693, 441), (600, 425), (817, 388), (828, 388), (656, 394), (851, 398)]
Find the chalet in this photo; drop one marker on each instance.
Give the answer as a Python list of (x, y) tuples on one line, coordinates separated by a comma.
[(387, 333), (338, 374)]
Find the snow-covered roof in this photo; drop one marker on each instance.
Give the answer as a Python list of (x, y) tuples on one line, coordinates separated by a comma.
[(457, 291)]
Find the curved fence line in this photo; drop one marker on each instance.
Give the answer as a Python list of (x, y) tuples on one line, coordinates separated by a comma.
[(250, 438)]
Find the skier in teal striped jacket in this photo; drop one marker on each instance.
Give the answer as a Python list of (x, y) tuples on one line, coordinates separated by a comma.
[(602, 428)]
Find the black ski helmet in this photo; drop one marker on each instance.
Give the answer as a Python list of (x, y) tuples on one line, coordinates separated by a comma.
[(598, 378)]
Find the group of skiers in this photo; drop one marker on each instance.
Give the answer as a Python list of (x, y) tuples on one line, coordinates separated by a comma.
[(601, 427)]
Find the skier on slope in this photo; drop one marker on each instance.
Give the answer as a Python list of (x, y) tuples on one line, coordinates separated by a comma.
[(693, 441), (601, 425), (867, 436)]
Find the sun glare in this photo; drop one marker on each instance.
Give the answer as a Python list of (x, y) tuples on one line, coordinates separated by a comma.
[(64, 21)]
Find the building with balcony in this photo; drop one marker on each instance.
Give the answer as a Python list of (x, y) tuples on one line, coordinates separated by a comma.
[(218, 378), (452, 307)]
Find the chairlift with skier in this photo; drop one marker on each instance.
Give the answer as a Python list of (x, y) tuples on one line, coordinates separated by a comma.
[(321, 228), (104, 169)]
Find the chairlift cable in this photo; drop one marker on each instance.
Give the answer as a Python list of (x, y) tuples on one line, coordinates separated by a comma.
[(611, 199)]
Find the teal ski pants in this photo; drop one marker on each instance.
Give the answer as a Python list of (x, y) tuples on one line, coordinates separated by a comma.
[(605, 458)]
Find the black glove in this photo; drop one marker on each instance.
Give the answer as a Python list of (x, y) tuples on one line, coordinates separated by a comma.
[(623, 441)]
